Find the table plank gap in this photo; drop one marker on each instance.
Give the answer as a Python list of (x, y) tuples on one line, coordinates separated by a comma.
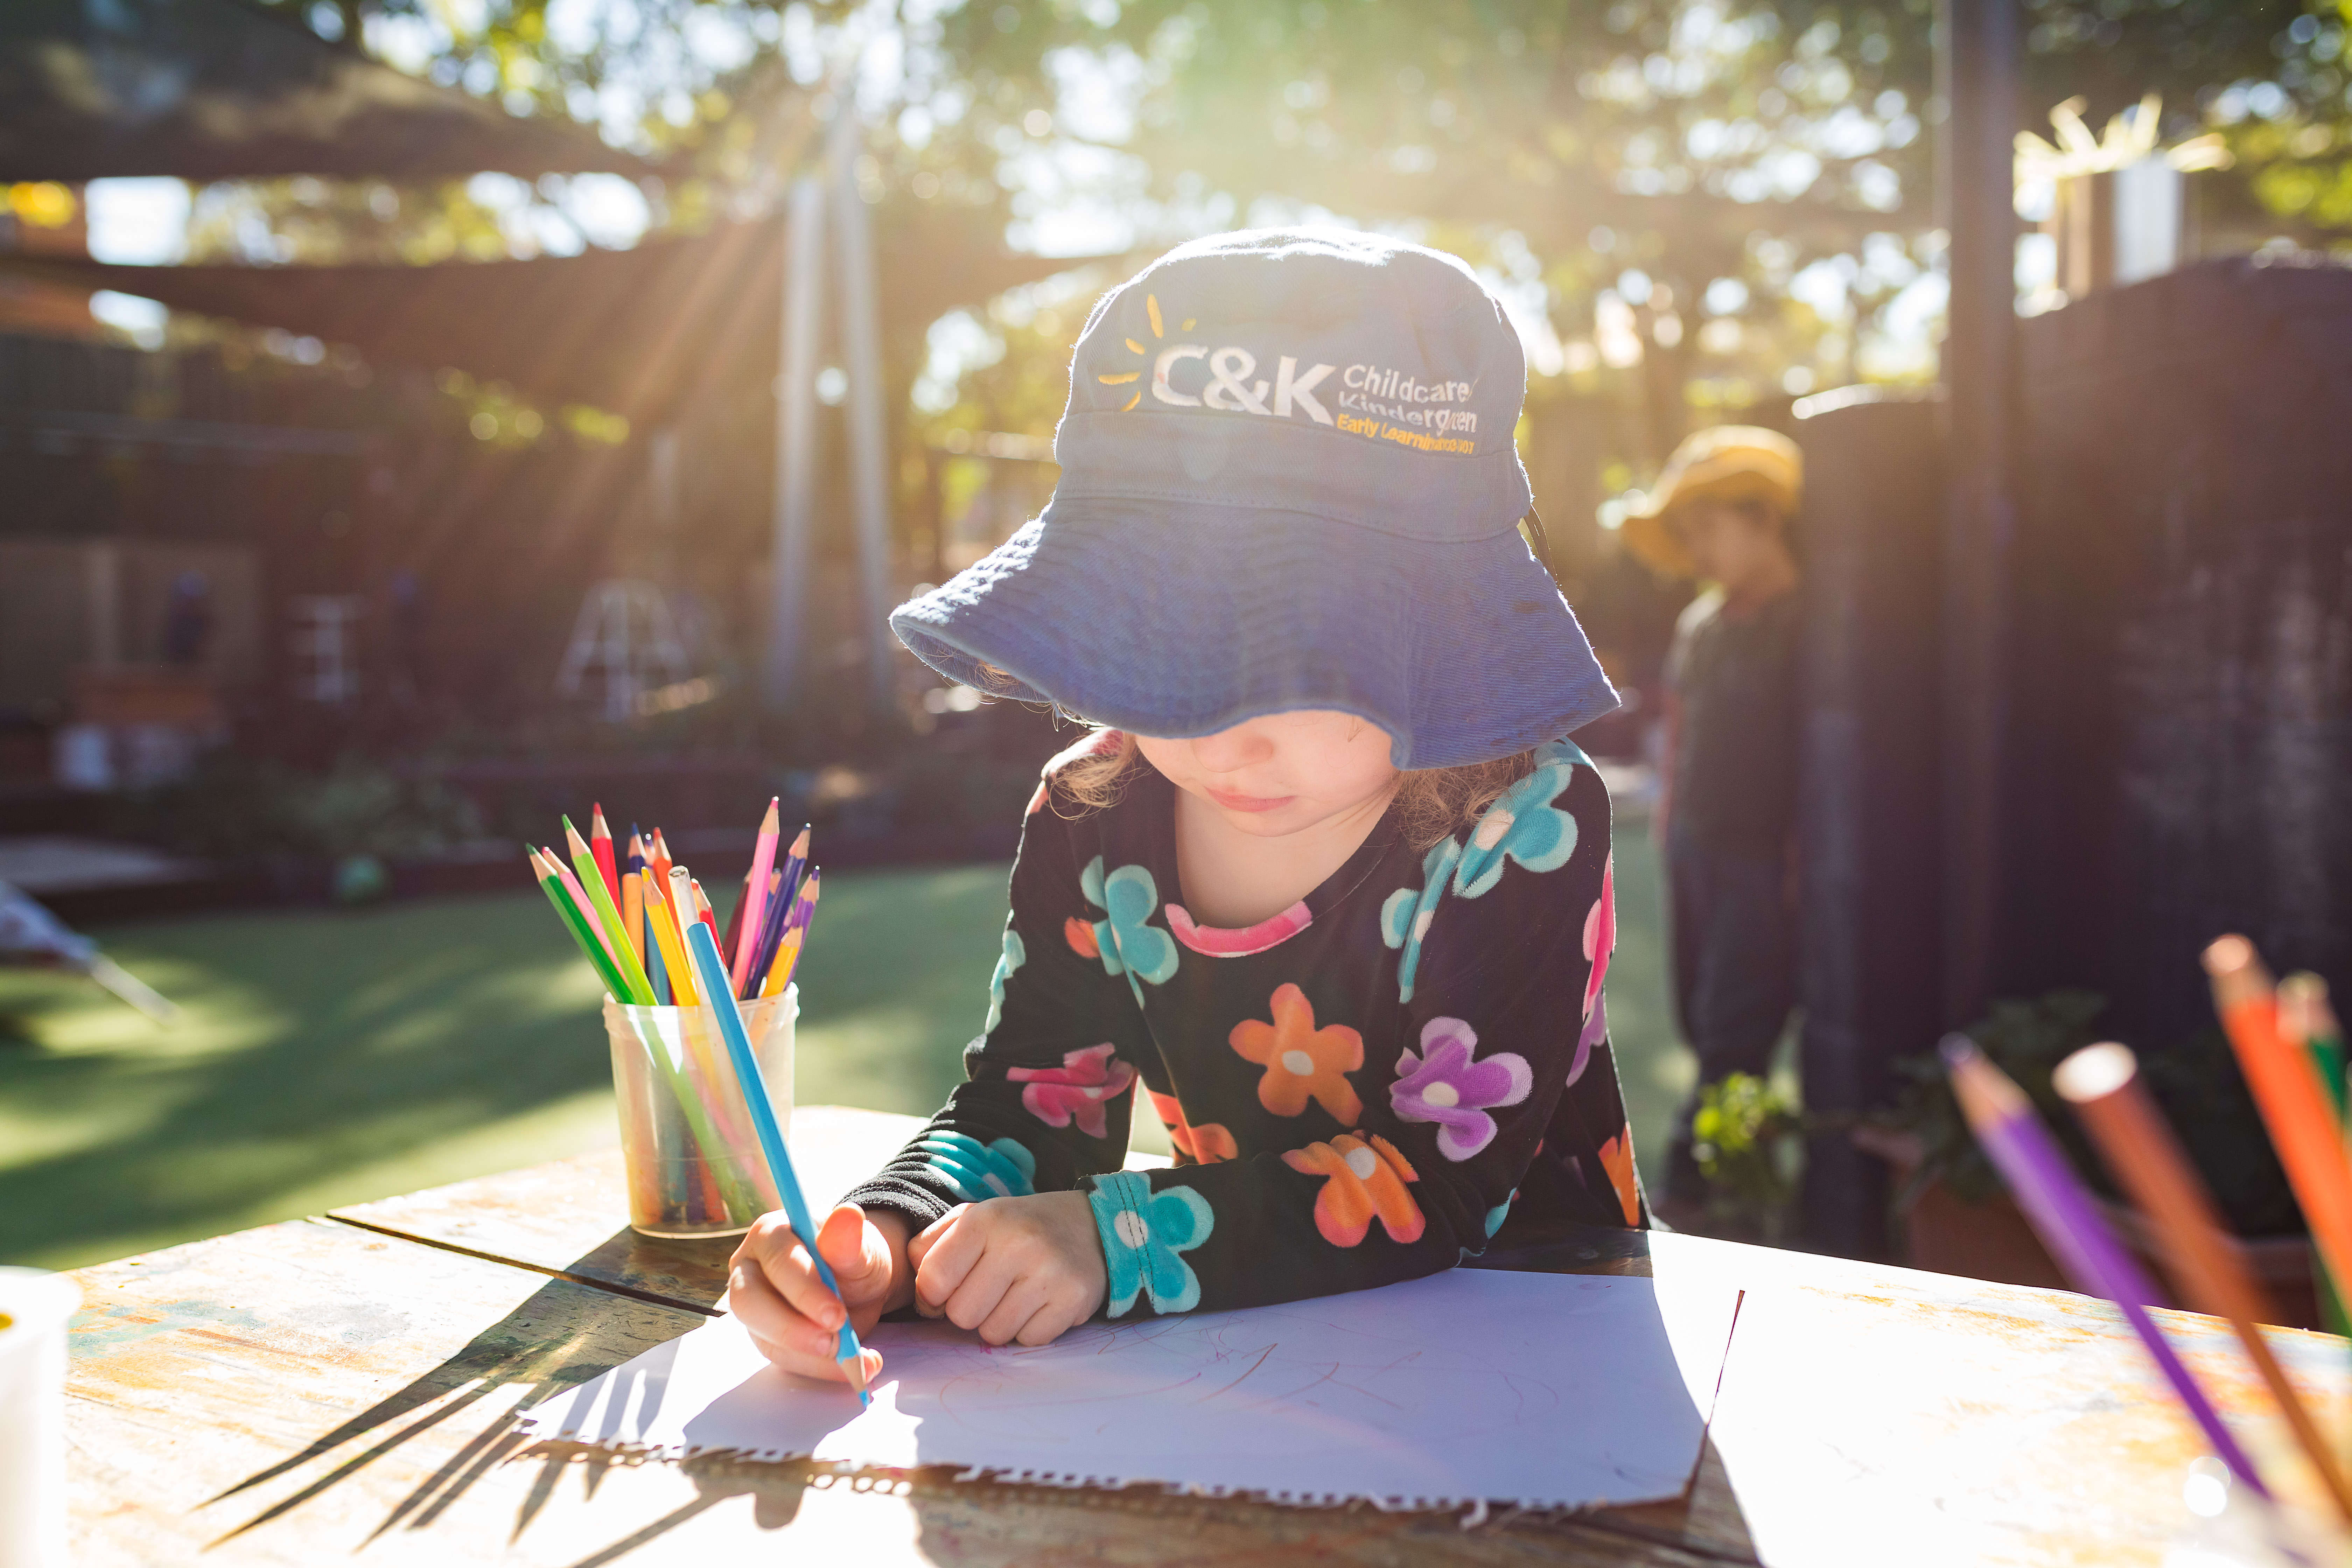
[(613, 1287)]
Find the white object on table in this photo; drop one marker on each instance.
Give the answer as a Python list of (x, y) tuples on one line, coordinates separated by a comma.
[(34, 1307)]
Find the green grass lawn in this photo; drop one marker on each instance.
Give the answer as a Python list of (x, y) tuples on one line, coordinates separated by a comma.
[(331, 1059)]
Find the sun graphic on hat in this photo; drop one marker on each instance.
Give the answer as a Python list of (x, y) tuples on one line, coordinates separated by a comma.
[(1159, 331)]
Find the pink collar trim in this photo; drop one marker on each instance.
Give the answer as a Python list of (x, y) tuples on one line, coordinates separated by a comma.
[(1222, 943)]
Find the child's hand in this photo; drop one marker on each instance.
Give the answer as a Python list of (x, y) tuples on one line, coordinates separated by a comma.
[(1013, 1268), (774, 1289)]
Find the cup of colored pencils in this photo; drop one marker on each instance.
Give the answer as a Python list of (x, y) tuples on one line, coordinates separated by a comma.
[(693, 1156)]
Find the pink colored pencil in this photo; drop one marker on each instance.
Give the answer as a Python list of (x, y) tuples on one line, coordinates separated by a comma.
[(580, 896), (755, 897)]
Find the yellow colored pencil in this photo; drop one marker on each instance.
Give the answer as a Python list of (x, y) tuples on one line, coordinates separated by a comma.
[(788, 946), (673, 947)]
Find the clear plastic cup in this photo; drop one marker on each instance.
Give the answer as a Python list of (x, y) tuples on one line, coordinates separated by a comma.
[(694, 1161), (33, 1309)]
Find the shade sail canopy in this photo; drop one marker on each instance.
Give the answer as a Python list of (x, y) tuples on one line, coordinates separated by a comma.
[(635, 332), (218, 90)]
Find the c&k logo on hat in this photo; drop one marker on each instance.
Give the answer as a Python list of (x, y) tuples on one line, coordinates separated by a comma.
[(1379, 404)]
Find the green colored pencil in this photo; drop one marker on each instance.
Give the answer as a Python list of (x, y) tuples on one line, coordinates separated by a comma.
[(577, 924), (640, 989), (2304, 1015)]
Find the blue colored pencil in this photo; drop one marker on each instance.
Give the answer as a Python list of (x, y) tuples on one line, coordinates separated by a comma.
[(710, 973)]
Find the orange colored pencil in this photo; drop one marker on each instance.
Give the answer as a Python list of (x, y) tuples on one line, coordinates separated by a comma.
[(632, 899), (660, 862), (2288, 1092), (2101, 1083)]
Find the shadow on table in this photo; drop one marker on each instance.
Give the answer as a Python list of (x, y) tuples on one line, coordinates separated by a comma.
[(775, 1491), (562, 1334)]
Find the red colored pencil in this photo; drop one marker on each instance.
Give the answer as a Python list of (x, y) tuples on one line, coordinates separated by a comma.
[(600, 845)]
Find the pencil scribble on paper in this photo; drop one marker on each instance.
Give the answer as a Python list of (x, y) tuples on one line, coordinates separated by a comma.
[(1543, 1391)]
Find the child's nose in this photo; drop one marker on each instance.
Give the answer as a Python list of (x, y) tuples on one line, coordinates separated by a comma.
[(1230, 749)]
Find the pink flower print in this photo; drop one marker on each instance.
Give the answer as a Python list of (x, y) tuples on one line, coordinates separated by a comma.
[(1600, 942), (1075, 1090), (1444, 1084)]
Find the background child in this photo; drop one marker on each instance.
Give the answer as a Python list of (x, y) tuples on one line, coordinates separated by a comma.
[(1726, 806), (1328, 886)]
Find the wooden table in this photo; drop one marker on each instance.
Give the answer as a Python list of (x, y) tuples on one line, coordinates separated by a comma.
[(348, 1385)]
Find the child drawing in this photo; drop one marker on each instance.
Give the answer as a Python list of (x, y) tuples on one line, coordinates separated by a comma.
[(1325, 877)]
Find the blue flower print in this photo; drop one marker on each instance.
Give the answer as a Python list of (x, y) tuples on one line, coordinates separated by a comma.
[(1143, 1233), (1523, 825), (1016, 954), (977, 1170), (1406, 914), (1130, 943)]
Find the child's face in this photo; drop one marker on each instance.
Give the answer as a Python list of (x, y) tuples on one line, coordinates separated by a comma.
[(1283, 774), (1728, 543)]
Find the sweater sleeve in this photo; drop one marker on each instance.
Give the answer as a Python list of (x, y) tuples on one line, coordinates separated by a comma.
[(1493, 979), (1052, 1076)]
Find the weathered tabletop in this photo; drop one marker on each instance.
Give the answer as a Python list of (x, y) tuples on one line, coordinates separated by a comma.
[(312, 1390)]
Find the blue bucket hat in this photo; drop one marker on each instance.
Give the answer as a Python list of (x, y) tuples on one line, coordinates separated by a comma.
[(1288, 481)]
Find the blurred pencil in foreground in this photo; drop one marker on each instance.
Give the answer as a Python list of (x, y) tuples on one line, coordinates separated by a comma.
[(2307, 1019), (2101, 1083), (2293, 1103), (2039, 1178)]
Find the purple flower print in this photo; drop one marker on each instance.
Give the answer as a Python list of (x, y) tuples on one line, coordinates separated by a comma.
[(1444, 1084)]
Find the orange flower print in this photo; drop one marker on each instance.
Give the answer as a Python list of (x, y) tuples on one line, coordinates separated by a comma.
[(1207, 1143), (1617, 1159), (1365, 1181), (1081, 938), (1301, 1061)]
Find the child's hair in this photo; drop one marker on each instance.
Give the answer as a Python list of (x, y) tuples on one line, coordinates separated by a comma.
[(1431, 803)]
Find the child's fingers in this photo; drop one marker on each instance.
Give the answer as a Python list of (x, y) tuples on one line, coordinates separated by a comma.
[(784, 1335), (954, 1247), (981, 1289), (920, 1244), (1022, 1301), (858, 1254), (777, 1254), (1052, 1320)]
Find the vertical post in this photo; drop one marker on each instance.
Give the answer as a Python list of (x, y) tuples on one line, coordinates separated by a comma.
[(103, 597), (861, 339), (803, 244), (1976, 68)]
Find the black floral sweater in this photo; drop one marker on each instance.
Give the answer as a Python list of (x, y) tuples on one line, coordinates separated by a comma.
[(1359, 1089)]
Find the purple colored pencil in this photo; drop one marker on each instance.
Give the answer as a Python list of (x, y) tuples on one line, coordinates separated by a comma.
[(2044, 1187)]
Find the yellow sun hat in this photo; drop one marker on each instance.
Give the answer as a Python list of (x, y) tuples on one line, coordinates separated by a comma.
[(1729, 462)]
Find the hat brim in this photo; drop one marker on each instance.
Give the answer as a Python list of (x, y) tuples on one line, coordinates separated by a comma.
[(1177, 620)]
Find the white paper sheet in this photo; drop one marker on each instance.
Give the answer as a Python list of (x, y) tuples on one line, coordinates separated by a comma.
[(1548, 1391)]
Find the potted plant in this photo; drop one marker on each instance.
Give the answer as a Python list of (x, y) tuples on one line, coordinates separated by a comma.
[(1958, 1219)]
